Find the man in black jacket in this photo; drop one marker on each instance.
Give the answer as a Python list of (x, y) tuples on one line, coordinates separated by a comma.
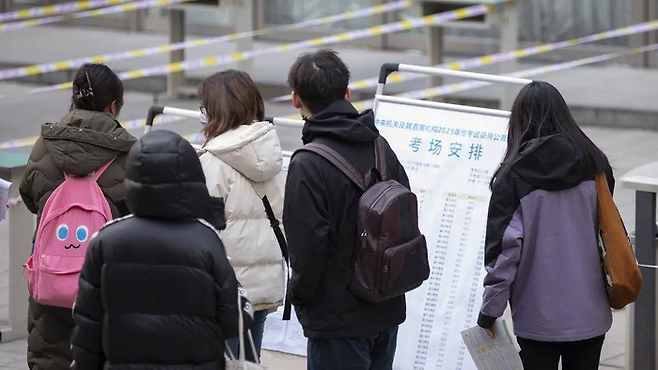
[(320, 209), (156, 287)]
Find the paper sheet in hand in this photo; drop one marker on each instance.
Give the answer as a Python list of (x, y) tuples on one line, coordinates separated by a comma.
[(5, 191), (492, 354)]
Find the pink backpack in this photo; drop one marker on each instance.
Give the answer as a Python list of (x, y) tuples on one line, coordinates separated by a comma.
[(73, 213)]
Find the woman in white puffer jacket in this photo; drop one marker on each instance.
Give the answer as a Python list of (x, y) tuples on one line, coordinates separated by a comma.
[(243, 162)]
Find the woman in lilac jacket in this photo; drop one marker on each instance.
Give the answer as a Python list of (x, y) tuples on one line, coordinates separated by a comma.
[(541, 251)]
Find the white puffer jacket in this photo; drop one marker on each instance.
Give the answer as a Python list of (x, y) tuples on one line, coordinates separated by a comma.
[(237, 165)]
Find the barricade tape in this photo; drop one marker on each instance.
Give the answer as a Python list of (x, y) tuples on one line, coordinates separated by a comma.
[(89, 13), (435, 19), (63, 8), (419, 94), (74, 63), (502, 57)]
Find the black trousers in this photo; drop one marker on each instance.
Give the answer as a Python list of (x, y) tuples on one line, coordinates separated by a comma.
[(375, 352), (580, 355)]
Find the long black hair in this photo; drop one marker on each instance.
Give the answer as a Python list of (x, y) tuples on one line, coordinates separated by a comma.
[(538, 111)]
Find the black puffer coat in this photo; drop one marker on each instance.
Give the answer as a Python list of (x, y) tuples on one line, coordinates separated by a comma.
[(156, 289)]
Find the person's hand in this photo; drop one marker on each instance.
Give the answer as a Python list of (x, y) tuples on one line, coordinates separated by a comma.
[(490, 333)]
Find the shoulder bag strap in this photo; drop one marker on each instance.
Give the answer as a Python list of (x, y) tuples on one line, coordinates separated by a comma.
[(276, 226)]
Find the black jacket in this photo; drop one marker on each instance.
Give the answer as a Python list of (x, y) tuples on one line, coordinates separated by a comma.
[(320, 210), (156, 289)]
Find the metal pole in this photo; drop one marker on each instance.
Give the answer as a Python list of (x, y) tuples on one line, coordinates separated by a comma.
[(463, 74), (435, 46), (642, 354), (443, 106), (176, 80), (508, 21), (381, 19), (181, 112), (639, 11), (653, 35), (6, 5), (244, 22)]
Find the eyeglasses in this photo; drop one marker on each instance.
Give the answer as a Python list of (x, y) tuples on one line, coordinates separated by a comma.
[(204, 115)]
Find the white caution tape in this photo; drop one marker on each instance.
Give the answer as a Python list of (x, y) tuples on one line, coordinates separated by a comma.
[(413, 23), (89, 13), (74, 6), (130, 54), (502, 57)]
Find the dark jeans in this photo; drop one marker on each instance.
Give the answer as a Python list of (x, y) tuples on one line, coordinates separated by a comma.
[(580, 355), (373, 352), (256, 333)]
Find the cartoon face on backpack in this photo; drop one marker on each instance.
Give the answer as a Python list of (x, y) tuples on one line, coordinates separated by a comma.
[(64, 234), (70, 233)]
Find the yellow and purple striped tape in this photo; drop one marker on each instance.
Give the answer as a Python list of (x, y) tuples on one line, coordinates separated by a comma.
[(435, 19), (89, 13), (446, 89), (130, 54), (502, 57), (419, 94), (64, 8)]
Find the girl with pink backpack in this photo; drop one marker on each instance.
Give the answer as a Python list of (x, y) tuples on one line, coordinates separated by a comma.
[(74, 184)]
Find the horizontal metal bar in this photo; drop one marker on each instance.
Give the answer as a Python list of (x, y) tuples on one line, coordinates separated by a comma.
[(286, 122), (444, 106), (181, 112), (463, 74), (287, 153), (283, 122)]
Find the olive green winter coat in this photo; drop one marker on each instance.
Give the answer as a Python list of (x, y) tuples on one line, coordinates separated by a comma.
[(79, 144)]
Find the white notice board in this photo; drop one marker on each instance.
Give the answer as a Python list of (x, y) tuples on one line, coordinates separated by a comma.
[(449, 157)]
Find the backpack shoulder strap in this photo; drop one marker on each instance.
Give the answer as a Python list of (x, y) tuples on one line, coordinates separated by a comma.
[(337, 160), (380, 157), (99, 172)]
